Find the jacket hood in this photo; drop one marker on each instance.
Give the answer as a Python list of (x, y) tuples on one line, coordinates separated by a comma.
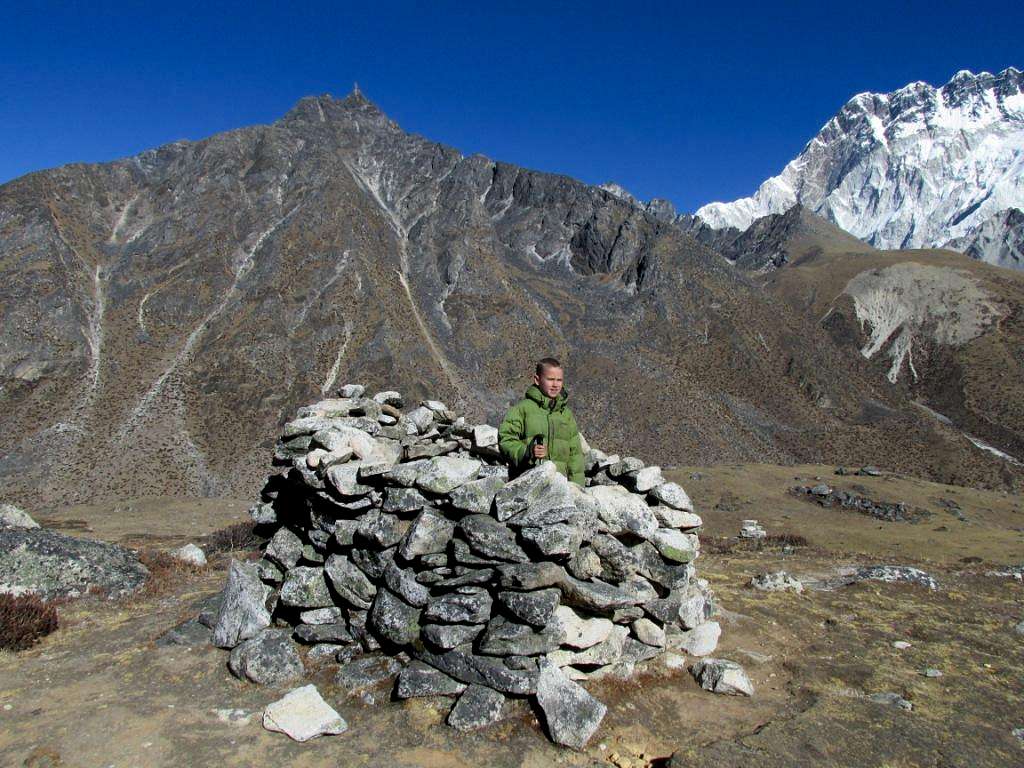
[(534, 393)]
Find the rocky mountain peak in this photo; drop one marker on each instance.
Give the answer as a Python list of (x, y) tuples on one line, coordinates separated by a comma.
[(918, 167)]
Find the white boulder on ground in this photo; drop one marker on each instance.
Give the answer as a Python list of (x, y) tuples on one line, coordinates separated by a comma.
[(190, 554), (303, 715), (15, 517), (722, 676)]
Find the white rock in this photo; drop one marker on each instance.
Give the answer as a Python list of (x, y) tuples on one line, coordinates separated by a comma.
[(446, 473), (675, 545), (901, 645), (422, 417), (303, 715), (780, 581), (647, 478), (699, 641), (623, 512), (314, 457), (345, 479), (435, 405), (579, 632), (668, 517), (648, 632), (672, 495), (722, 676), (351, 390), (389, 397), (190, 554), (484, 436), (15, 517)]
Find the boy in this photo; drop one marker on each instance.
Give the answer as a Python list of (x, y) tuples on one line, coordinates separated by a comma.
[(541, 426)]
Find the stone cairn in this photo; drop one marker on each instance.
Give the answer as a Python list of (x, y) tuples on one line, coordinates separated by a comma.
[(400, 545)]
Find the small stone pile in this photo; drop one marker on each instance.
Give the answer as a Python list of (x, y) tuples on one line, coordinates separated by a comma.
[(400, 544)]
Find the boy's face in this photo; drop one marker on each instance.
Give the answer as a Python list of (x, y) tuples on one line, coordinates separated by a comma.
[(550, 381)]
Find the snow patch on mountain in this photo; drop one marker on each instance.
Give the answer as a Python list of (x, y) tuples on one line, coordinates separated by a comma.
[(919, 167)]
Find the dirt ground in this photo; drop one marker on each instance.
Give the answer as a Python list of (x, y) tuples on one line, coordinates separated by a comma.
[(98, 692)]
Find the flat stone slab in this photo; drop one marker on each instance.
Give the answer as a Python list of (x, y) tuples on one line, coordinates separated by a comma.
[(478, 707), (303, 715)]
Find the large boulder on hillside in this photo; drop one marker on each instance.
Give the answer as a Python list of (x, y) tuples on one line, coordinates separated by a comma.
[(49, 564)]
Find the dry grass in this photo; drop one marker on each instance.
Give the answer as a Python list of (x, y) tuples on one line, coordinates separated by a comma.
[(166, 573), (723, 545), (241, 536), (24, 619)]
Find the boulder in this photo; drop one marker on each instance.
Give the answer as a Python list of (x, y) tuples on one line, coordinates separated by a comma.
[(15, 517), (621, 512), (49, 564), (722, 676), (571, 714), (268, 658), (190, 554), (303, 715), (429, 534), (477, 495), (477, 707), (489, 538), (443, 474), (702, 640), (305, 587), (672, 495), (243, 611)]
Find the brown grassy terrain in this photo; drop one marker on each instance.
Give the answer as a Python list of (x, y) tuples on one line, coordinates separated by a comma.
[(98, 692)]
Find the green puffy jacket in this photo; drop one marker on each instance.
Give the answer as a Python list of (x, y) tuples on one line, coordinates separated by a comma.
[(537, 414)]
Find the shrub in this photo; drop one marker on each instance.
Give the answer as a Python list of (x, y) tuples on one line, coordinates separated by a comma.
[(233, 538), (165, 571), (23, 620)]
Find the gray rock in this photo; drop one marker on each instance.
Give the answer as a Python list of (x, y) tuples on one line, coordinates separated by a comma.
[(324, 633), (891, 699), (208, 609), (821, 490), (462, 555), (344, 478), (352, 391), (402, 581), (779, 581), (268, 658), (595, 595), (571, 714), (243, 611), (722, 676), (675, 545), (644, 480), (477, 495), (349, 581), (538, 490), (627, 615), (894, 574), (311, 554), (448, 636), (429, 534), (618, 562), (404, 474), (390, 397), (585, 564), (702, 640), (485, 436), (443, 474), (608, 651), (622, 512), (189, 633), (581, 633), (15, 517), (422, 418), (672, 495), (284, 548), (403, 500), (554, 540), (303, 715), (263, 514), (931, 672), (465, 577), (474, 608), (527, 576), (624, 465), (393, 619), (507, 638), (648, 632), (419, 679), (489, 538), (381, 529), (49, 564), (330, 615), (536, 608), (463, 665), (305, 587), (658, 570), (372, 562), (669, 517), (477, 707), (365, 672)]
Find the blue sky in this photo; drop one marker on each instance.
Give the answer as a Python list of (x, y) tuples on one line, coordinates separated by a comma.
[(689, 102)]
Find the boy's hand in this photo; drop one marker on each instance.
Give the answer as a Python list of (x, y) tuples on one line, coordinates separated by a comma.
[(540, 451)]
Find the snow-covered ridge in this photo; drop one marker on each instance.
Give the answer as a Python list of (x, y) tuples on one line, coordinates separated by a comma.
[(919, 167)]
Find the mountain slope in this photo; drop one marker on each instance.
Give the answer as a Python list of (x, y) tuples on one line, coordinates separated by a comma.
[(920, 167), (164, 313)]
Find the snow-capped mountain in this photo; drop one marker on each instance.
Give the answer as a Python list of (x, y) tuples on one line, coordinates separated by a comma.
[(919, 167)]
